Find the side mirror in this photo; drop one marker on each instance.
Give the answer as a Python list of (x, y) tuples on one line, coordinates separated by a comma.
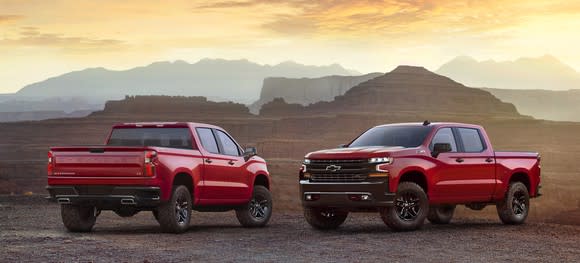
[(342, 145), (249, 152), (440, 148)]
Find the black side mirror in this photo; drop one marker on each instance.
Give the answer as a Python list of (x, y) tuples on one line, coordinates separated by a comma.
[(249, 152), (440, 148), (342, 145)]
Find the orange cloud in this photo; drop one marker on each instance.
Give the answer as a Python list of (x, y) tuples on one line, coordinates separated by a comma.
[(4, 19), (31, 37)]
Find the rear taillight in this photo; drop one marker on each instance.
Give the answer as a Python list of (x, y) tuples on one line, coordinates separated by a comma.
[(50, 166), (150, 163)]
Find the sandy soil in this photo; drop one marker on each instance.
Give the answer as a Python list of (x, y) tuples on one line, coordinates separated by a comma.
[(31, 231)]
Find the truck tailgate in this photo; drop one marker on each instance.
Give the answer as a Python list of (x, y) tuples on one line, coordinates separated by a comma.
[(98, 161)]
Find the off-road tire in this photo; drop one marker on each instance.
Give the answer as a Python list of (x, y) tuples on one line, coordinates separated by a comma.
[(175, 214), (324, 218), (258, 211), (78, 218), (393, 216), (514, 208), (441, 214)]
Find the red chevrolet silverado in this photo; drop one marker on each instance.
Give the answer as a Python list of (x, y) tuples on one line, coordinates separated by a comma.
[(166, 168), (412, 171)]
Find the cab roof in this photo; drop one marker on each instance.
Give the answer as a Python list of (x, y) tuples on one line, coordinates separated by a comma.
[(433, 124), (163, 124)]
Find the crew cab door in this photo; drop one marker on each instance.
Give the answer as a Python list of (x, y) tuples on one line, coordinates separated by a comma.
[(478, 166), (224, 179), (467, 173)]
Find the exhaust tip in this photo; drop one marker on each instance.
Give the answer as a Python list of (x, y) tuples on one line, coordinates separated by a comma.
[(128, 201), (63, 201)]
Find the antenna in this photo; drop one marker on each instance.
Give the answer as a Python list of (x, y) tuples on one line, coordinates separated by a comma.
[(426, 122)]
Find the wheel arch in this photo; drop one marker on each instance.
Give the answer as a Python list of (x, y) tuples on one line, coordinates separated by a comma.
[(413, 175), (183, 178), (261, 179), (520, 176)]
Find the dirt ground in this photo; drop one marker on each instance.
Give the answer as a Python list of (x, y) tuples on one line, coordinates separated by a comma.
[(31, 231)]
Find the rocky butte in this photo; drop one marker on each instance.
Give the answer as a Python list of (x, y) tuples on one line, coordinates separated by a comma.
[(405, 90)]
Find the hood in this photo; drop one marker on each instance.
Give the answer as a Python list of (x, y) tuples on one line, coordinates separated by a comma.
[(354, 153)]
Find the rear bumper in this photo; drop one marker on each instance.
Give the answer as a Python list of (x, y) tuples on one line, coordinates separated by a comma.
[(346, 195), (106, 197)]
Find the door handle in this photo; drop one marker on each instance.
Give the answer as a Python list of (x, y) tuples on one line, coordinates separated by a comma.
[(231, 162), (459, 160), (489, 160), (208, 161)]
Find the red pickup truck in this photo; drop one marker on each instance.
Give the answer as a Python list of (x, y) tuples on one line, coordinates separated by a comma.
[(412, 171), (166, 168)]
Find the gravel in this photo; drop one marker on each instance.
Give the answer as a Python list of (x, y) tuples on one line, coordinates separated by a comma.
[(31, 231)]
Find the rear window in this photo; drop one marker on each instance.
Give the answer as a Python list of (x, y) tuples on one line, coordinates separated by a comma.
[(161, 137)]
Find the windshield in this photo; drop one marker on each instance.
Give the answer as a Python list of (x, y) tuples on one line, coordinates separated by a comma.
[(162, 137), (404, 136)]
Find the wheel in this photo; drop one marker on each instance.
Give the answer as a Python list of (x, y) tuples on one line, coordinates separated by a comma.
[(258, 211), (78, 218), (410, 209), (126, 212), (441, 214), (324, 218), (174, 215), (514, 208)]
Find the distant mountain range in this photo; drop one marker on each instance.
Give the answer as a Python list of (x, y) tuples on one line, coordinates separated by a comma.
[(545, 72), (242, 81), (217, 79)]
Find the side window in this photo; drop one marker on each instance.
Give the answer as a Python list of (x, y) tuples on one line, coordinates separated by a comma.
[(207, 140), (230, 147), (444, 135), (471, 140)]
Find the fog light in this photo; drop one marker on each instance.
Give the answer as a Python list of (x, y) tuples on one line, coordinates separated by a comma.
[(359, 197)]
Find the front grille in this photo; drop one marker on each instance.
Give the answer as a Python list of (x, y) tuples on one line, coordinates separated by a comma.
[(338, 170)]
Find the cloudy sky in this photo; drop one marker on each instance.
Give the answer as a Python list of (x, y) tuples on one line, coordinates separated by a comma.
[(41, 39)]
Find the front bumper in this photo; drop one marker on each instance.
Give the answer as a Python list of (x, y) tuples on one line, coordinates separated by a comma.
[(346, 195), (106, 197)]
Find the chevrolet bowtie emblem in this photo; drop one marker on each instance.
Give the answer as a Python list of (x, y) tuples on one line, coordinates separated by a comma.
[(333, 168)]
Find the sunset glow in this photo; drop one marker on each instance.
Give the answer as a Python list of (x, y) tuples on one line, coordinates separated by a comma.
[(41, 39)]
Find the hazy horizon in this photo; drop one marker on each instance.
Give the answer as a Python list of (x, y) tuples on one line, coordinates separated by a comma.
[(354, 70)]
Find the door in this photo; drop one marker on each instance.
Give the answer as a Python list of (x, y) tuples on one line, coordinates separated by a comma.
[(222, 176), (447, 176), (235, 174), (478, 166)]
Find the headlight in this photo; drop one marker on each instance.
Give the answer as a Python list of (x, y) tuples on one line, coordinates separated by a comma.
[(306, 161), (387, 160)]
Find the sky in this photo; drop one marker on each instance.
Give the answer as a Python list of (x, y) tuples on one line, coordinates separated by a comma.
[(41, 39)]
